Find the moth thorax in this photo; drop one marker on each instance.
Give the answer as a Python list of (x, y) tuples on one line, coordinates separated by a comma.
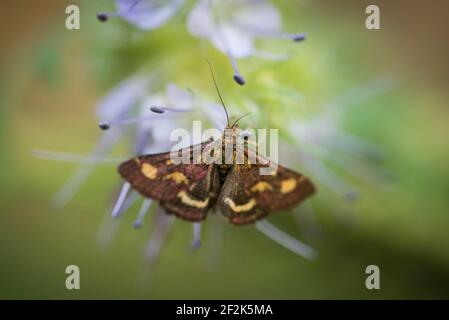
[(223, 171), (228, 158), (229, 151)]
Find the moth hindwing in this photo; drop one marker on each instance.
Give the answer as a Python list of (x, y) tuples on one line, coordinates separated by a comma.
[(185, 190)]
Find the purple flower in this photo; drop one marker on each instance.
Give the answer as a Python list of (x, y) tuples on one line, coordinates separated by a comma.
[(321, 140), (231, 26), (133, 103)]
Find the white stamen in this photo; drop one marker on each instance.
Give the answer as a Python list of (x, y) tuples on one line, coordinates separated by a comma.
[(159, 109), (158, 236), (271, 55), (214, 241), (322, 173), (72, 185), (142, 212), (357, 95), (73, 157), (354, 145), (209, 110), (237, 76), (129, 201), (261, 32), (67, 191), (196, 243), (285, 240), (125, 188), (106, 231), (307, 221), (105, 125)]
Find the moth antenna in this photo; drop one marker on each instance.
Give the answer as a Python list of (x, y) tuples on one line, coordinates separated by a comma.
[(196, 243), (218, 91), (235, 122)]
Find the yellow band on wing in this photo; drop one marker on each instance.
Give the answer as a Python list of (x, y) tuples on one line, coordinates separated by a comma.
[(149, 171), (240, 208), (192, 202)]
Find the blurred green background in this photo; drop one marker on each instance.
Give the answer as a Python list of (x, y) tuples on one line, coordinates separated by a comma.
[(51, 79)]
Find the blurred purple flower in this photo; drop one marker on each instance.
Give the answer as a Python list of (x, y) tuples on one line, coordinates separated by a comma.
[(153, 113), (114, 106), (231, 26), (146, 14), (133, 103), (321, 140)]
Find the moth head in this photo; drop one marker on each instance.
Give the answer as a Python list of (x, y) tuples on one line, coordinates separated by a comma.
[(234, 134), (231, 132)]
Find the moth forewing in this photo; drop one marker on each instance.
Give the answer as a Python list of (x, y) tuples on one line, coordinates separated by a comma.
[(182, 189), (247, 195), (193, 204), (235, 200)]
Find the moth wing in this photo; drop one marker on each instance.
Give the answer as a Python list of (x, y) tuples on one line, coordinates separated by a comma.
[(194, 203), (182, 189), (247, 196)]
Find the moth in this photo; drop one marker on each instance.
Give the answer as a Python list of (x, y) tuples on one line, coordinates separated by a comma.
[(190, 190)]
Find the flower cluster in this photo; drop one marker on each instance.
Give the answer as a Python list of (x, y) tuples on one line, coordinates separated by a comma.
[(142, 108), (231, 26)]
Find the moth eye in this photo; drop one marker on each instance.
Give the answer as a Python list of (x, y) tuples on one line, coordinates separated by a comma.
[(245, 134)]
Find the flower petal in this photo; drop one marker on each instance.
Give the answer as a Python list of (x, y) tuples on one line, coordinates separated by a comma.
[(147, 14), (123, 97), (231, 40), (200, 20), (257, 15), (214, 112), (84, 170), (285, 240), (179, 97), (161, 228), (223, 35)]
